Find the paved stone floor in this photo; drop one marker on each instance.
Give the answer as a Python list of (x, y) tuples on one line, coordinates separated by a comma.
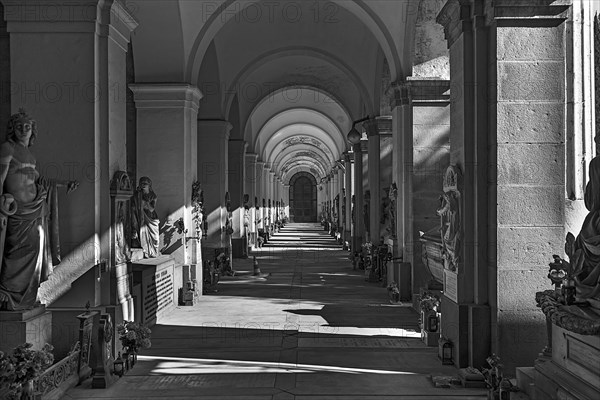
[(312, 329)]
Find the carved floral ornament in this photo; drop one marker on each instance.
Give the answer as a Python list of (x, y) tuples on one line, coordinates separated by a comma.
[(450, 218)]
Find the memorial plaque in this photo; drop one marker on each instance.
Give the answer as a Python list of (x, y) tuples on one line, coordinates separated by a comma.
[(158, 293), (451, 285)]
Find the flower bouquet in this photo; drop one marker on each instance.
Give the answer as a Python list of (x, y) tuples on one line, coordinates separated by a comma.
[(134, 336)]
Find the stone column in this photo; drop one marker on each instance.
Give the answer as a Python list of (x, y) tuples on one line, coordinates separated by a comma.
[(358, 198), (286, 199), (374, 180), (348, 185), (266, 187), (340, 191), (250, 188), (510, 223), (260, 194), (80, 109), (271, 198), (528, 150), (213, 150), (402, 161), (236, 179)]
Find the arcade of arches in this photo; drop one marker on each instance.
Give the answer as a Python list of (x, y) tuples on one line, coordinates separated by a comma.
[(383, 122)]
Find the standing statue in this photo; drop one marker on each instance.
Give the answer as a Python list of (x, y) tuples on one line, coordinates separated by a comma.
[(29, 243), (246, 212), (144, 218)]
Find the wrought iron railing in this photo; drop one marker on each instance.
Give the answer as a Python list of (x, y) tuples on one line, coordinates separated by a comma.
[(58, 373)]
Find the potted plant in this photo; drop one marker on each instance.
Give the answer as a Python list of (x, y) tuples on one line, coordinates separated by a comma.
[(224, 265), (429, 305), (134, 337), (19, 369), (393, 292)]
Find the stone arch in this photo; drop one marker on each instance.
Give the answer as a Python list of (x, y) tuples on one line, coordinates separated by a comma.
[(274, 54), (227, 10)]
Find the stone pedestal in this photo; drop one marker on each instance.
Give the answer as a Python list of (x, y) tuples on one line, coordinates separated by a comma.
[(29, 326), (157, 278), (573, 373), (103, 350), (86, 324)]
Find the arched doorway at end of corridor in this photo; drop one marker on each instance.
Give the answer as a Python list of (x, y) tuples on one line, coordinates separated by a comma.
[(303, 197)]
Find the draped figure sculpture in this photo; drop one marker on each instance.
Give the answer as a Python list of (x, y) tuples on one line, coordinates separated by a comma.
[(584, 253), (29, 244), (145, 222)]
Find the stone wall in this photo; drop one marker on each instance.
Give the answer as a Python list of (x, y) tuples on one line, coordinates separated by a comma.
[(530, 179)]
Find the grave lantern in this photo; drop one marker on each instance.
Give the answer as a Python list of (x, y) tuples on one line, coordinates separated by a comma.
[(447, 353), (118, 366)]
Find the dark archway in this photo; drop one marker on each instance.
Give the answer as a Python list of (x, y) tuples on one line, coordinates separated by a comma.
[(303, 198)]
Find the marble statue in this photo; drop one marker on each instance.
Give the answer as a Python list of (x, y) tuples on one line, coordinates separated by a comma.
[(246, 211), (29, 243), (144, 219), (584, 252), (352, 210), (450, 216), (385, 221)]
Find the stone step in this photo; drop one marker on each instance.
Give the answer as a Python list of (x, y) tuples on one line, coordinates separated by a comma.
[(525, 380)]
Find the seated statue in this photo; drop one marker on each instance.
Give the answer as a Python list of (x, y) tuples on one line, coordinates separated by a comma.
[(145, 222), (584, 252), (29, 245)]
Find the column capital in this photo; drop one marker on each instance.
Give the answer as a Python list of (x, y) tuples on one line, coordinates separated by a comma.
[(357, 148), (455, 17), (215, 126), (347, 156), (252, 157), (398, 94), (166, 95), (378, 126), (428, 90)]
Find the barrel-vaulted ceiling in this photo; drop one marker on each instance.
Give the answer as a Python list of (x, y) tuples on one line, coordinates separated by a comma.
[(291, 76)]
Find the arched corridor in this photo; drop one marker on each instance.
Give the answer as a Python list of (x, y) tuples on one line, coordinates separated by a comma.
[(458, 141), (310, 327)]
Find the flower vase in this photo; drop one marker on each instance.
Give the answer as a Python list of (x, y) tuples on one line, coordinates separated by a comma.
[(133, 359), (27, 390)]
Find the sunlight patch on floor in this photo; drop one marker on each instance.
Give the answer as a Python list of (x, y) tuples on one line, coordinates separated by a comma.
[(187, 366)]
